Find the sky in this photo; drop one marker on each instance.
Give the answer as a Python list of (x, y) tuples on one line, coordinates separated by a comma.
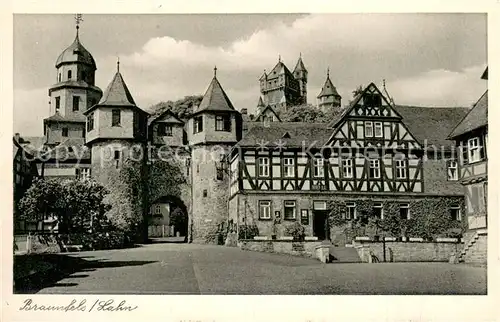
[(433, 60)]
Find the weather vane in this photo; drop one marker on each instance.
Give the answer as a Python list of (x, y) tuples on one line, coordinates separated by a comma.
[(78, 19)]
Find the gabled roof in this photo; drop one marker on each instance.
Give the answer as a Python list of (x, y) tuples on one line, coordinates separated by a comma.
[(215, 99), (272, 134), (172, 118), (477, 117), (267, 108), (328, 89), (278, 70), (299, 66), (431, 123), (58, 118)]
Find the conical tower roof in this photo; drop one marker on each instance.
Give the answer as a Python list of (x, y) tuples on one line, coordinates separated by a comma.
[(116, 94), (76, 53), (215, 99), (300, 65), (328, 89)]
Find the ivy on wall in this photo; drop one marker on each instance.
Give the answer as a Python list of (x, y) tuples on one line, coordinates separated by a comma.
[(429, 218)]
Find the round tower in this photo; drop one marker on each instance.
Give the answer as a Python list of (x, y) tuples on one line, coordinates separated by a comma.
[(116, 134), (213, 129), (328, 98)]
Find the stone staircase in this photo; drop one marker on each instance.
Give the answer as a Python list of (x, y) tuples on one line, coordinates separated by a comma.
[(344, 255), (474, 250)]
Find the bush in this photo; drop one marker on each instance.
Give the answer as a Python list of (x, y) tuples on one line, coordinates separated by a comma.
[(248, 231), (296, 230)]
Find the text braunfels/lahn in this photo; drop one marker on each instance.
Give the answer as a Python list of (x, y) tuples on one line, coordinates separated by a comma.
[(82, 306)]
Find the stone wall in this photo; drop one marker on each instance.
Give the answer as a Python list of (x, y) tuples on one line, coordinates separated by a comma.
[(477, 253), (304, 248), (408, 251)]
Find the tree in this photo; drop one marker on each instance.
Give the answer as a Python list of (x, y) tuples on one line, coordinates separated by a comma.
[(74, 203), (303, 113), (183, 107)]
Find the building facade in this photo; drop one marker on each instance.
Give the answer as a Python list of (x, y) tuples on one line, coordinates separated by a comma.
[(471, 135), (373, 153)]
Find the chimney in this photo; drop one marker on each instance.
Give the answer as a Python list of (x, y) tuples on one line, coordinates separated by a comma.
[(244, 111), (17, 137)]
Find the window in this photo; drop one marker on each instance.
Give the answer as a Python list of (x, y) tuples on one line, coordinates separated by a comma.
[(58, 103), (205, 193), (288, 167), (84, 76), (455, 213), (70, 73), (83, 173), (347, 168), (76, 101), (319, 170), (117, 158), (157, 210), (378, 210), (90, 122), (368, 129), (452, 170), (219, 171), (265, 209), (400, 169), (474, 149), (65, 131), (115, 118), (223, 123), (404, 211), (375, 169), (350, 210), (59, 77), (378, 130), (263, 167), (83, 132), (198, 124), (164, 129), (289, 212)]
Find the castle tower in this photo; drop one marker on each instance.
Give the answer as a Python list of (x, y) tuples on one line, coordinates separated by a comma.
[(328, 97), (300, 74), (214, 127), (73, 92), (279, 88), (116, 128)]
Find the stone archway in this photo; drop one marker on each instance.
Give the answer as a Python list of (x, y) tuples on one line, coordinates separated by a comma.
[(168, 217)]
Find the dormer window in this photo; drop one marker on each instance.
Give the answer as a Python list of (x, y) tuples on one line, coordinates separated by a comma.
[(198, 124), (223, 123)]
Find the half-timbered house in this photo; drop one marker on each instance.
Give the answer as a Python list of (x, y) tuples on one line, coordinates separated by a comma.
[(471, 135), (394, 157)]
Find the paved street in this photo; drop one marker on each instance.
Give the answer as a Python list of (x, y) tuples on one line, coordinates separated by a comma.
[(203, 269)]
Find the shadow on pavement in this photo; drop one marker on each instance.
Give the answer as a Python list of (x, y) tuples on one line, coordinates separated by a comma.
[(37, 271)]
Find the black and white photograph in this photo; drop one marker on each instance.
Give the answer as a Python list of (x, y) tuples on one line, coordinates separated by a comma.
[(249, 154)]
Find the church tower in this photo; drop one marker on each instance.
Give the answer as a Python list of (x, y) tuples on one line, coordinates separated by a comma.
[(73, 93), (214, 127), (328, 98), (300, 74)]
